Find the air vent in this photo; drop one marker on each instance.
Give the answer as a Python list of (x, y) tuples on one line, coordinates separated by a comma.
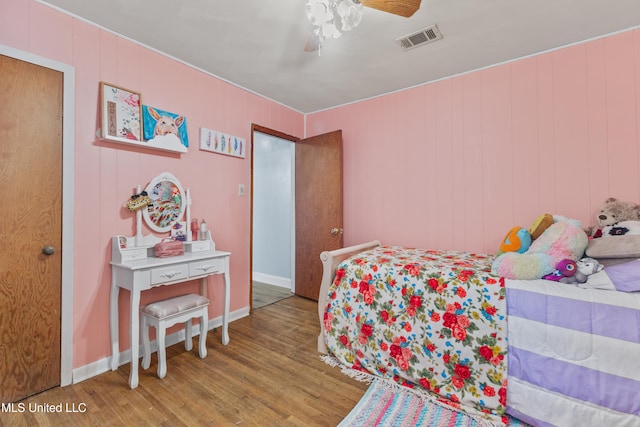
[(424, 36)]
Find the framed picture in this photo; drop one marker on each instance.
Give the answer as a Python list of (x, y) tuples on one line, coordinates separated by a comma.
[(164, 130), (121, 114), (222, 143)]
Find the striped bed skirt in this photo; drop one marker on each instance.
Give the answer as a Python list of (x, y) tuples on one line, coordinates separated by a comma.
[(574, 355)]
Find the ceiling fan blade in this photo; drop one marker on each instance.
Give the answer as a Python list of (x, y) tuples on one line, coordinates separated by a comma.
[(404, 8)]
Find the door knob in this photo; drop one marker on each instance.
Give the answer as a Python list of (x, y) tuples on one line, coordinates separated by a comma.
[(336, 230), (48, 250)]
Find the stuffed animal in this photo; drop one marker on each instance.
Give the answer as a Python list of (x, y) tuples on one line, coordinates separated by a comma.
[(564, 239), (565, 268), (518, 239), (612, 212), (586, 267), (541, 223)]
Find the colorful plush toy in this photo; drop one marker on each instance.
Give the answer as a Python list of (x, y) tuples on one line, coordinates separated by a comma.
[(586, 267), (518, 239), (564, 239), (541, 223), (565, 268), (612, 212)]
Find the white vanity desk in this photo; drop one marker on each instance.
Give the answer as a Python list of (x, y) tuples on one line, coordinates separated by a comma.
[(134, 268), (137, 276)]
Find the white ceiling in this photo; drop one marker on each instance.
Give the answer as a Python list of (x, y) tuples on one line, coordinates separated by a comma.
[(258, 44)]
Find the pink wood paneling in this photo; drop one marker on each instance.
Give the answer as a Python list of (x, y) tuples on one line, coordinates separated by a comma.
[(106, 173), (556, 133), (58, 42), (524, 136), (443, 163), (570, 126), (497, 153), (14, 32), (622, 103), (459, 215), (470, 121), (597, 165)]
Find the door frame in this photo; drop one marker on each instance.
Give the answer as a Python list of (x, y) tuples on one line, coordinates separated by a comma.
[(68, 129), (293, 139)]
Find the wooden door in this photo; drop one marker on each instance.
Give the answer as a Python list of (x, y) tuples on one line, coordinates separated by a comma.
[(318, 207), (30, 228)]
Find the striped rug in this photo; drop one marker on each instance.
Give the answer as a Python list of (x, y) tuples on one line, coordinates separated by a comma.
[(389, 406)]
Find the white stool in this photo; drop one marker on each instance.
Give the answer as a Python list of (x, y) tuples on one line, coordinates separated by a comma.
[(166, 313)]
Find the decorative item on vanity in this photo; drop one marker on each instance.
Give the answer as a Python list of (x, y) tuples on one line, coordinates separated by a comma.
[(168, 247), (139, 201), (168, 203)]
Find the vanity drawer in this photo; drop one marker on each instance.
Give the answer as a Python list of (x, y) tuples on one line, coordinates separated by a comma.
[(132, 254), (210, 266), (169, 274)]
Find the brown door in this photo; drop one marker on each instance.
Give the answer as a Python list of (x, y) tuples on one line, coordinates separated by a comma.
[(318, 207), (30, 228)]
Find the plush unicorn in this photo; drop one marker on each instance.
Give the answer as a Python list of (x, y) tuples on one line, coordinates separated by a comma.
[(564, 239)]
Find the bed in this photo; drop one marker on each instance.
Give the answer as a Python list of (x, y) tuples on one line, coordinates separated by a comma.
[(439, 322)]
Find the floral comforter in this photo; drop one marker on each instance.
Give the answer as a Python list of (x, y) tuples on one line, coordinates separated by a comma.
[(430, 320)]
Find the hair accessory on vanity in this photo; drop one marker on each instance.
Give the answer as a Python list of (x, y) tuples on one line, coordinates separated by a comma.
[(139, 201)]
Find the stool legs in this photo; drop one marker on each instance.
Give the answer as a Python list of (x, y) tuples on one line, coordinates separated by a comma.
[(161, 326), (188, 340), (202, 341), (146, 345)]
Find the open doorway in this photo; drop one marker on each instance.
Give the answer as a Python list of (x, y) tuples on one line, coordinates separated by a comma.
[(273, 217)]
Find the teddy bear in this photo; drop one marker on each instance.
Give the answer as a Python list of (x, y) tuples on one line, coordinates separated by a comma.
[(612, 212)]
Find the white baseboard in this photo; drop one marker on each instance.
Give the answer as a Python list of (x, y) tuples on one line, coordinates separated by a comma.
[(104, 365), (283, 282)]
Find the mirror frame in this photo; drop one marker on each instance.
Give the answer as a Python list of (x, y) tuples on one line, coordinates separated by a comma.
[(149, 214)]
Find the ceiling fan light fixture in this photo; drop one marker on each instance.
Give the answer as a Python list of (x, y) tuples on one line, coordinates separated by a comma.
[(331, 18), (350, 14)]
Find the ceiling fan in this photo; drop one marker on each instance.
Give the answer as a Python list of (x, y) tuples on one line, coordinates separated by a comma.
[(331, 18)]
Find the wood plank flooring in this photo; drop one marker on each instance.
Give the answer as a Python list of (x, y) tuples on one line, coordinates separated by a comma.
[(264, 294), (270, 374)]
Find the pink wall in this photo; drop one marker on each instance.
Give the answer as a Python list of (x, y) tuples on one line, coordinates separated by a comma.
[(456, 163), (106, 173)]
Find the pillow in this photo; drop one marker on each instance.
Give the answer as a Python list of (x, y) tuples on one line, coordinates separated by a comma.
[(623, 277), (614, 247)]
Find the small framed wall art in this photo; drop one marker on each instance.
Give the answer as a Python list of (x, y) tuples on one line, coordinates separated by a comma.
[(222, 143), (164, 130), (121, 114)]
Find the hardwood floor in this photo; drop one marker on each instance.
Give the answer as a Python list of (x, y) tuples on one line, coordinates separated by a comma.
[(264, 294), (270, 374)]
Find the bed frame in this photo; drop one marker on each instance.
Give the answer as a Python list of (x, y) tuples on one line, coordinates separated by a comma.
[(330, 260)]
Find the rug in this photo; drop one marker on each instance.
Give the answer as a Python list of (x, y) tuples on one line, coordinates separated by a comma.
[(388, 405)]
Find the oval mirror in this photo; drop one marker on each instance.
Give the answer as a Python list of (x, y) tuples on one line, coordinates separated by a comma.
[(168, 206)]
